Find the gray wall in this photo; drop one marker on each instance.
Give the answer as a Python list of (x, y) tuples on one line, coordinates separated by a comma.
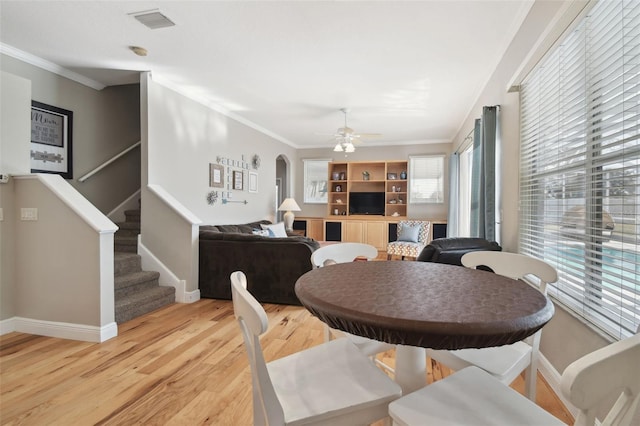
[(104, 123), (185, 136)]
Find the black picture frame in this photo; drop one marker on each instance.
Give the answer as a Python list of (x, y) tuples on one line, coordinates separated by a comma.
[(51, 148), (238, 178)]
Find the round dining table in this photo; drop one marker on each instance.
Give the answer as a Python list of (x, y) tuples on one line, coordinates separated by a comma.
[(418, 305)]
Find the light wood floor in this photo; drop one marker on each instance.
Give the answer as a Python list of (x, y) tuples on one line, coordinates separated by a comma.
[(181, 365)]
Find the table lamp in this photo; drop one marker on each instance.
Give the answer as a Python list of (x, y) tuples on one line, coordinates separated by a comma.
[(289, 205)]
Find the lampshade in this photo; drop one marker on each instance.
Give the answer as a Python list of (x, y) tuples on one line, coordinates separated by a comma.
[(338, 147), (289, 204)]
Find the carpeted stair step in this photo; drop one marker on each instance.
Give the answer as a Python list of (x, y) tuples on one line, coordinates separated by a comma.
[(134, 282), (124, 263), (143, 302), (137, 292), (125, 244), (127, 229), (132, 215)]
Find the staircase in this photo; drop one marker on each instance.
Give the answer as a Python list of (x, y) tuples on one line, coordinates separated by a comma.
[(137, 292)]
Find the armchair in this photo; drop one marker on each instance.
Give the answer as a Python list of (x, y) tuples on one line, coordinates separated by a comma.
[(412, 238), (451, 250)]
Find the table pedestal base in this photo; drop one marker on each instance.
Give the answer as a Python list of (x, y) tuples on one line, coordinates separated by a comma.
[(411, 368)]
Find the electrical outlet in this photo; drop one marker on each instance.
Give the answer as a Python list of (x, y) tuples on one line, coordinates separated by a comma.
[(1, 214), (28, 213)]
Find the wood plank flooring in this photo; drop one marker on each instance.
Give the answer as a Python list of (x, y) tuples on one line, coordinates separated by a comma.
[(184, 364)]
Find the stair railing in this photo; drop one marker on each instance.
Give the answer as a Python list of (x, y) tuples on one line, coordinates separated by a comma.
[(111, 160)]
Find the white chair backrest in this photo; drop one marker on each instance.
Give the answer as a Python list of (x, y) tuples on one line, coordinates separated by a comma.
[(512, 265), (612, 370), (342, 253), (253, 322)]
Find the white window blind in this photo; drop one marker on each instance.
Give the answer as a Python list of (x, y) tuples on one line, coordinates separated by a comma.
[(426, 179), (580, 166)]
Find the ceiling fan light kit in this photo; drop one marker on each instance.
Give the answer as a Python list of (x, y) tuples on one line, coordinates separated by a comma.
[(344, 146)]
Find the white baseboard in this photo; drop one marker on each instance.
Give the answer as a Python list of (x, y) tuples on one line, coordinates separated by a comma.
[(552, 376), (7, 326), (62, 330), (167, 278), (131, 203)]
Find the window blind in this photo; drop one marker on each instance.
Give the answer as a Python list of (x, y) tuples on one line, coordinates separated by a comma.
[(580, 166), (426, 180)]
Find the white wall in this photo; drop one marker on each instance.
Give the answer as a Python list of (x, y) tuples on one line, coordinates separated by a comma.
[(15, 103)]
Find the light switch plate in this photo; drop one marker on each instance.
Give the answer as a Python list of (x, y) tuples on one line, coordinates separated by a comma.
[(1, 214), (28, 213)]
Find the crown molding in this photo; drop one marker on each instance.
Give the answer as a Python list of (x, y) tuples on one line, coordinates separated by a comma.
[(49, 66)]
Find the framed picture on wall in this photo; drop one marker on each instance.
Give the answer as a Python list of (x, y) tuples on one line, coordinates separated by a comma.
[(51, 140), (238, 180), (216, 175), (253, 182)]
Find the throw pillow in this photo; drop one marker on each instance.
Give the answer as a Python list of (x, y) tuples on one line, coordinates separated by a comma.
[(276, 230), (261, 232), (409, 233)]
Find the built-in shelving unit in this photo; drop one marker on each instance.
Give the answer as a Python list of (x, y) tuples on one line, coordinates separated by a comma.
[(387, 177)]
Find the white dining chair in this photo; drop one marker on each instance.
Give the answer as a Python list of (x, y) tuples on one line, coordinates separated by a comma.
[(332, 383), (504, 362), (473, 397), (344, 253)]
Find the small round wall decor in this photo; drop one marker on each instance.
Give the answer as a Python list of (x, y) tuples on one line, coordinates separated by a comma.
[(212, 197), (255, 162)]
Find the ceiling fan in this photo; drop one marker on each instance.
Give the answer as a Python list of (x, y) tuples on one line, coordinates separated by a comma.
[(345, 137)]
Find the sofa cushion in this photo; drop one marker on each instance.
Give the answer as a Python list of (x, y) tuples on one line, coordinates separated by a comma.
[(275, 230)]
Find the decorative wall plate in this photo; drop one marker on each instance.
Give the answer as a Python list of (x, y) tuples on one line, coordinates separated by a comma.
[(255, 161), (212, 197)]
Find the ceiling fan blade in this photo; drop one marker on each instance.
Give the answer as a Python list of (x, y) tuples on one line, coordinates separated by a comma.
[(367, 135)]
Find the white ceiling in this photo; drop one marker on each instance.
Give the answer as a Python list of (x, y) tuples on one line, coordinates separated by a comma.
[(410, 70)]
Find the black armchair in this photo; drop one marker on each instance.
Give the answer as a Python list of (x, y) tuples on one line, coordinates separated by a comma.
[(451, 250)]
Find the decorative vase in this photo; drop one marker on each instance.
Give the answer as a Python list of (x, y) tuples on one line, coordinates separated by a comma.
[(365, 175), (403, 174)]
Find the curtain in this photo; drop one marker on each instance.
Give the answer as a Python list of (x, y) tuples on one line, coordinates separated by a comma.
[(454, 195), (483, 187)]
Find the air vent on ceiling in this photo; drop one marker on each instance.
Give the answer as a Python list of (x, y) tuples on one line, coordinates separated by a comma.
[(153, 19)]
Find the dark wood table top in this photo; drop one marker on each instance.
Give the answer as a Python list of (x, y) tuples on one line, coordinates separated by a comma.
[(424, 304)]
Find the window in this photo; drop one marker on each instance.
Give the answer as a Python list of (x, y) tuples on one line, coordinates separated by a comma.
[(580, 167), (426, 179), (316, 174)]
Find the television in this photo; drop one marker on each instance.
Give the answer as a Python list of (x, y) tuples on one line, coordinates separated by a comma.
[(366, 203)]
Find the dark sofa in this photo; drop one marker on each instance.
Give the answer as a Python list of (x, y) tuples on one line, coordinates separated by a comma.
[(451, 250), (272, 265)]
